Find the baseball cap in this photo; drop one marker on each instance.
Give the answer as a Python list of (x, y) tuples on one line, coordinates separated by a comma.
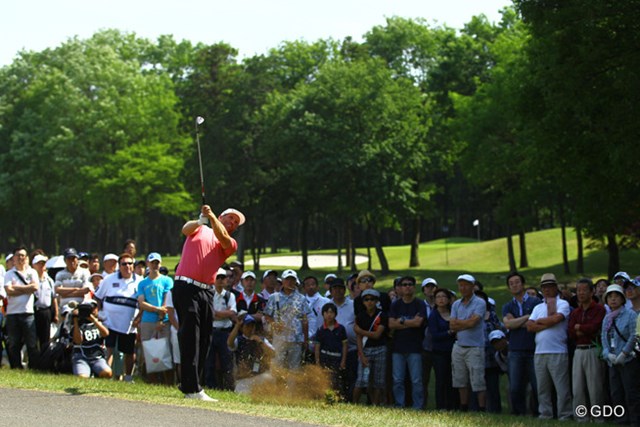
[(82, 255), (248, 274), (496, 335), (221, 272), (622, 274), (95, 275), (39, 258), (8, 257), (467, 278), (70, 253), (268, 272), (636, 281), (110, 257), (234, 211), (330, 277), (371, 292), (289, 273), (430, 281), (337, 282), (154, 256), (548, 279), (236, 264)]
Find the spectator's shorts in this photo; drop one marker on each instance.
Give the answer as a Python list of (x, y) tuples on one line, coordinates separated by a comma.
[(84, 367), (467, 366), (126, 342), (377, 357), (149, 330)]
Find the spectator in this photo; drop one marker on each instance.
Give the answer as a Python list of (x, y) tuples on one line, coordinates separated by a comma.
[(316, 302), (235, 278), (287, 312), (328, 280), (72, 283), (152, 292), (618, 340), (140, 268), (346, 318), (601, 287), (492, 371), (46, 306), (515, 315), (94, 263), (632, 293), (429, 285), (109, 264), (406, 319), (367, 280), (331, 345), (88, 339), (352, 286), (269, 281), (117, 297), (468, 354), (219, 367), (587, 372), (20, 286), (248, 300), (443, 339), (371, 330), (532, 291), (129, 247), (549, 322), (253, 351)]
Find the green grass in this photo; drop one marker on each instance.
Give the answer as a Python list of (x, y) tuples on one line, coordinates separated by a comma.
[(312, 412)]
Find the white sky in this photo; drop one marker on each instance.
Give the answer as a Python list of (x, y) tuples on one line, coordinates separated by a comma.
[(252, 26)]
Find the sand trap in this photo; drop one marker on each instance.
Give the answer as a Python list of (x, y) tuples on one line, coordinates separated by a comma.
[(315, 261)]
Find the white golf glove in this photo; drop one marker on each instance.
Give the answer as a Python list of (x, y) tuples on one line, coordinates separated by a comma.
[(611, 358), (202, 220), (621, 358)]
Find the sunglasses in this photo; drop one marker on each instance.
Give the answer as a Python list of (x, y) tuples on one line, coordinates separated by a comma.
[(365, 280), (126, 263), (368, 299)]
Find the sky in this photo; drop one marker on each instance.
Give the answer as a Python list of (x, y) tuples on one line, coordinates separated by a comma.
[(251, 26)]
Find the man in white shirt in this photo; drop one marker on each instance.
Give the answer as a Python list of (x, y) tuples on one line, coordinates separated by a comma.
[(117, 297), (316, 302), (224, 316), (549, 322), (72, 283), (20, 285)]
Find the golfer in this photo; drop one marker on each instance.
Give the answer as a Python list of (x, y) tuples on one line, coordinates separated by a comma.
[(204, 251)]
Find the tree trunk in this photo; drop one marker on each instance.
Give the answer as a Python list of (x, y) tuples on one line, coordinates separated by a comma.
[(614, 254), (510, 252), (384, 264), (349, 247), (414, 259), (339, 241), (565, 256), (524, 261), (580, 263), (304, 243)]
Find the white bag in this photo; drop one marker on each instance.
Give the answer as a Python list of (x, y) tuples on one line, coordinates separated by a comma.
[(157, 355)]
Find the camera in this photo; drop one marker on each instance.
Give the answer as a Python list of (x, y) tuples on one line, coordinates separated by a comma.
[(84, 310)]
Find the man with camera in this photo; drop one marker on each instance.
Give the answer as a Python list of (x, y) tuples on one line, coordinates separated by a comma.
[(88, 339)]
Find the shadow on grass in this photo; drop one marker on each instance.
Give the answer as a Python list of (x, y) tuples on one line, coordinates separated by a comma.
[(74, 391)]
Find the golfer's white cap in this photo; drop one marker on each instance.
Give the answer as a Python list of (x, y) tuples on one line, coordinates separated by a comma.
[(39, 258), (234, 211), (110, 257)]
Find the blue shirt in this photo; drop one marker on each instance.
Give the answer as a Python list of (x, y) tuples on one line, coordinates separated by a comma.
[(290, 311), (473, 337), (154, 292), (439, 331), (520, 339), (612, 342)]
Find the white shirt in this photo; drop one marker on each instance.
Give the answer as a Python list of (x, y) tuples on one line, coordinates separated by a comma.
[(315, 318), (20, 304), (119, 302), (347, 318), (552, 340), (220, 303)]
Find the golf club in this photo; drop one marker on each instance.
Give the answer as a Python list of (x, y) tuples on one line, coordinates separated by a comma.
[(199, 121)]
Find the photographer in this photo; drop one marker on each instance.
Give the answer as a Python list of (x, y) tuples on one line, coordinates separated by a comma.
[(88, 340)]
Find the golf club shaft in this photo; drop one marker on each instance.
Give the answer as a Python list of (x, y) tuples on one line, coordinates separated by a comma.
[(200, 162)]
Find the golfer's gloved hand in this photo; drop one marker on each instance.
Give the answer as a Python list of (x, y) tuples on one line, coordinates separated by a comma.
[(203, 220), (621, 358), (611, 358)]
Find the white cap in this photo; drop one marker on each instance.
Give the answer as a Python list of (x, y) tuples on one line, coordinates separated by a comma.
[(330, 276), (429, 281), (622, 274), (266, 273), (289, 273), (234, 211), (8, 257), (491, 301), (221, 272), (39, 258), (110, 257), (247, 274), (496, 335), (467, 278)]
